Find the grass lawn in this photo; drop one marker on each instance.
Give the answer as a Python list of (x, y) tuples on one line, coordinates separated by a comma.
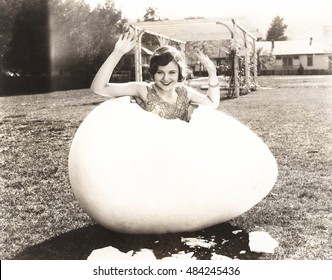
[(41, 219)]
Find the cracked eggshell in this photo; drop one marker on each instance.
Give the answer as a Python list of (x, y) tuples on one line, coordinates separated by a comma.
[(135, 172)]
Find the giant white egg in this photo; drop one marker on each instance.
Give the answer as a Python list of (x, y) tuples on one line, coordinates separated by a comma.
[(135, 172)]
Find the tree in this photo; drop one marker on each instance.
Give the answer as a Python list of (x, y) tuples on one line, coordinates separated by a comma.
[(104, 25), (8, 12), (264, 61), (151, 14), (150, 40), (276, 32), (45, 37), (82, 38), (28, 50)]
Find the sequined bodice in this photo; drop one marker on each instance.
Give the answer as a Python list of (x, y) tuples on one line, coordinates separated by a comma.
[(177, 110)]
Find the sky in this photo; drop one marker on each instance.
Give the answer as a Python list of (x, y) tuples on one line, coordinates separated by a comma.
[(303, 17)]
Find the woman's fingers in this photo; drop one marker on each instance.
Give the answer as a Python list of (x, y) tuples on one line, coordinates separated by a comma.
[(203, 57), (130, 37), (125, 34), (126, 42), (206, 61)]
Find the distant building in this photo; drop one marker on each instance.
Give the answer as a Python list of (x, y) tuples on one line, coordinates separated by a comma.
[(294, 57)]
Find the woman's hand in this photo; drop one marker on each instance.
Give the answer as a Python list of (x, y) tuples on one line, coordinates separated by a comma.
[(207, 62), (212, 97), (126, 43)]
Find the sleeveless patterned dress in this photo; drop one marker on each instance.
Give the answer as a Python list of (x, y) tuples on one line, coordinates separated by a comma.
[(166, 110)]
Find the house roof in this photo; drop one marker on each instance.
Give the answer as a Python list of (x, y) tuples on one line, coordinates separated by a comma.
[(293, 47), (205, 29)]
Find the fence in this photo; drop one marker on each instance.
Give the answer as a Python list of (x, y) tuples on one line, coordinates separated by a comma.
[(294, 72)]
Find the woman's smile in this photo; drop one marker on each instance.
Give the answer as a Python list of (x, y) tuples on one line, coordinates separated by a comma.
[(166, 83)]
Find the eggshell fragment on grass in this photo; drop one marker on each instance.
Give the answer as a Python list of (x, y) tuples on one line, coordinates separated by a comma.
[(111, 253), (262, 242)]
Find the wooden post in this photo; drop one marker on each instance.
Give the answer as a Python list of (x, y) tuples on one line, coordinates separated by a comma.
[(254, 48), (255, 62), (182, 47), (236, 64), (138, 58), (246, 63)]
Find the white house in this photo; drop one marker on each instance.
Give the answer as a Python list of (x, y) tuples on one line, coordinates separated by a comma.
[(295, 57)]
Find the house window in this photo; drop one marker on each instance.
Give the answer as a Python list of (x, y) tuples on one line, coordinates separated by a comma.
[(310, 60), (296, 61), (287, 61)]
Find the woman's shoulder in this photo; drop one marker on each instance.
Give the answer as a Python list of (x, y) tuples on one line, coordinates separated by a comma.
[(147, 90), (180, 87), (141, 87), (185, 90)]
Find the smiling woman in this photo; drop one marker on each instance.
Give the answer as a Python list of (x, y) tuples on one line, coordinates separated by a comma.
[(167, 96)]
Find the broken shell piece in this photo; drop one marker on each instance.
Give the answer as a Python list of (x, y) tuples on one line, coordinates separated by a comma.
[(181, 256), (111, 253), (108, 253), (216, 257), (262, 242), (197, 242)]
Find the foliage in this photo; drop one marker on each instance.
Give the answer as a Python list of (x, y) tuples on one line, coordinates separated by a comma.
[(8, 12), (276, 30), (67, 32), (228, 49), (149, 40), (28, 50), (83, 37), (151, 14), (263, 61), (232, 54), (207, 47)]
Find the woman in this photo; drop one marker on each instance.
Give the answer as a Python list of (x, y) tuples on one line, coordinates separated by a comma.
[(166, 96)]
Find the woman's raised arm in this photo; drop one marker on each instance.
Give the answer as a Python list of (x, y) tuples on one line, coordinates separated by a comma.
[(212, 98), (100, 83)]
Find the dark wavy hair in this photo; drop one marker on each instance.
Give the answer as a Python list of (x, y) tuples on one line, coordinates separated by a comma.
[(164, 55)]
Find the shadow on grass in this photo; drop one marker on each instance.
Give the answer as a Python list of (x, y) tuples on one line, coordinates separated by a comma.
[(78, 244)]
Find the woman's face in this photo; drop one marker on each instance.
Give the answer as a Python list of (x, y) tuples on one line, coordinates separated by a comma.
[(167, 76)]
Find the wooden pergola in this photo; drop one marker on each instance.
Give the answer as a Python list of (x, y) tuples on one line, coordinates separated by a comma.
[(182, 31)]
